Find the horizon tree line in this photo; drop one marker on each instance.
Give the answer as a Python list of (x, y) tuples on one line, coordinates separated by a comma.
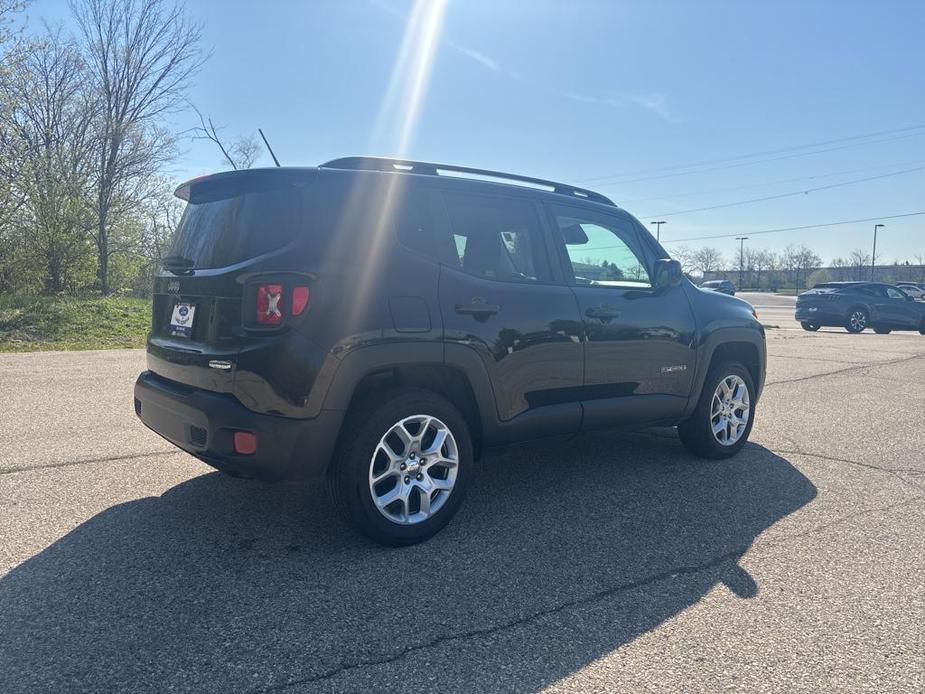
[(793, 267)]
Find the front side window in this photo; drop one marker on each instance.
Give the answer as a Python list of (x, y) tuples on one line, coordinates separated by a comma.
[(602, 252), (894, 293), (496, 238)]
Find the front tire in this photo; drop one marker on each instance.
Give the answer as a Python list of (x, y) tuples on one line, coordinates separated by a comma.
[(883, 331), (811, 327), (858, 319), (722, 421), (402, 467)]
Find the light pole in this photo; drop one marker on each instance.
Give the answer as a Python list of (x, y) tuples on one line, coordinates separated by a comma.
[(741, 240), (873, 255), (658, 229)]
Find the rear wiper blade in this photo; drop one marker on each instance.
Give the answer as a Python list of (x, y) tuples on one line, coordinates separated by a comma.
[(178, 262)]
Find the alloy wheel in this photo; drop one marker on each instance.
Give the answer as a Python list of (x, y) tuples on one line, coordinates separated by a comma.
[(729, 410), (413, 469), (857, 320)]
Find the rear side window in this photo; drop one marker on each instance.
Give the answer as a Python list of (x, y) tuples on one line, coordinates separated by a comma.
[(870, 290), (496, 238), (414, 221), (224, 231)]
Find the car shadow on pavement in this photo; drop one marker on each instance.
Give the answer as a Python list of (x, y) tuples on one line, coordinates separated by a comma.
[(561, 554)]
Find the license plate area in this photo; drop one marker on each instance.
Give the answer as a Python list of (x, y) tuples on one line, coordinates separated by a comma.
[(181, 319)]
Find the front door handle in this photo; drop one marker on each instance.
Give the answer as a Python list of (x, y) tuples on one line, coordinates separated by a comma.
[(477, 309), (602, 312)]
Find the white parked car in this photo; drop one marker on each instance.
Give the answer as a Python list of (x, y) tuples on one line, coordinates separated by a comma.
[(913, 290)]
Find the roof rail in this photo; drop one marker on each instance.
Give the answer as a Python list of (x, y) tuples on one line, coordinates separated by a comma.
[(430, 169)]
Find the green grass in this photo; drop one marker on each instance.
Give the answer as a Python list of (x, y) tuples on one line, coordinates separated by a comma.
[(33, 323), (8, 469)]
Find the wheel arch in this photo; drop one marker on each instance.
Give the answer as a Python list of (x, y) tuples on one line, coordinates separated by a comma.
[(746, 345), (862, 306), (464, 382)]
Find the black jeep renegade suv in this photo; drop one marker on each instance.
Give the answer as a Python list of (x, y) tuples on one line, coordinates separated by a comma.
[(379, 323)]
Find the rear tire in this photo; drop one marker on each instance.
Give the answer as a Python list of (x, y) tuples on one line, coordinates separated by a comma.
[(857, 320), (811, 327), (380, 456), (699, 433)]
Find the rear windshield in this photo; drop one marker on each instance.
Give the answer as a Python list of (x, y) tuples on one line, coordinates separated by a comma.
[(219, 232)]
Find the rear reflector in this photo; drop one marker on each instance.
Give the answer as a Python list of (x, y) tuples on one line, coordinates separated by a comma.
[(299, 300), (269, 304), (198, 436), (245, 443)]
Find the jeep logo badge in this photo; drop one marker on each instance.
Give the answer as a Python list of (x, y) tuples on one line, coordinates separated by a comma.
[(173, 286)]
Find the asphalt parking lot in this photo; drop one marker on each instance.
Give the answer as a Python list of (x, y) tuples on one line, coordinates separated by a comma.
[(613, 563)]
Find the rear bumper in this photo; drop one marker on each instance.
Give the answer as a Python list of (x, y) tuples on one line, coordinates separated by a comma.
[(805, 315), (203, 423)]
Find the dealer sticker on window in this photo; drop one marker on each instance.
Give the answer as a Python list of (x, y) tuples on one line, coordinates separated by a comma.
[(181, 322)]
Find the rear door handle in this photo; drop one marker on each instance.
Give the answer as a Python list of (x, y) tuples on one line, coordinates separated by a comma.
[(602, 312), (476, 309)]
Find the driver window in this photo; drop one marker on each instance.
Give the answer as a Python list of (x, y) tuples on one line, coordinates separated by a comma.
[(602, 254), (895, 293)]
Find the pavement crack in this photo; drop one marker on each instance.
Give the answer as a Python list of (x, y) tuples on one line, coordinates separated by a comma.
[(731, 555), (895, 472), (844, 519), (87, 461), (513, 623), (859, 367)]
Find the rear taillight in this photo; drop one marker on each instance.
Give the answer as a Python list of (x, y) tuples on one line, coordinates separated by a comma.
[(299, 299), (272, 304), (269, 304)]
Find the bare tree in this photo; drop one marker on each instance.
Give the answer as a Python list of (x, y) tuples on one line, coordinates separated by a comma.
[(142, 56), (762, 261), (804, 261), (685, 256), (707, 259), (10, 28), (860, 261), (160, 217), (240, 154), (246, 150), (788, 261), (840, 267)]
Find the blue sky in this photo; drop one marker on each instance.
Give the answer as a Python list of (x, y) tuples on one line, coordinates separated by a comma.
[(600, 90)]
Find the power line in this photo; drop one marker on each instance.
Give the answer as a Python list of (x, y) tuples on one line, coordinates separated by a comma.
[(751, 155), (764, 184), (778, 196), (799, 228), (757, 161)]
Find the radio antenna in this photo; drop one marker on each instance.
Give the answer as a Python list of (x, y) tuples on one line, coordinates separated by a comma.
[(270, 149)]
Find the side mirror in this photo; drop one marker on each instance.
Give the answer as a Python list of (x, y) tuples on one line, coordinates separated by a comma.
[(667, 273), (574, 235)]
